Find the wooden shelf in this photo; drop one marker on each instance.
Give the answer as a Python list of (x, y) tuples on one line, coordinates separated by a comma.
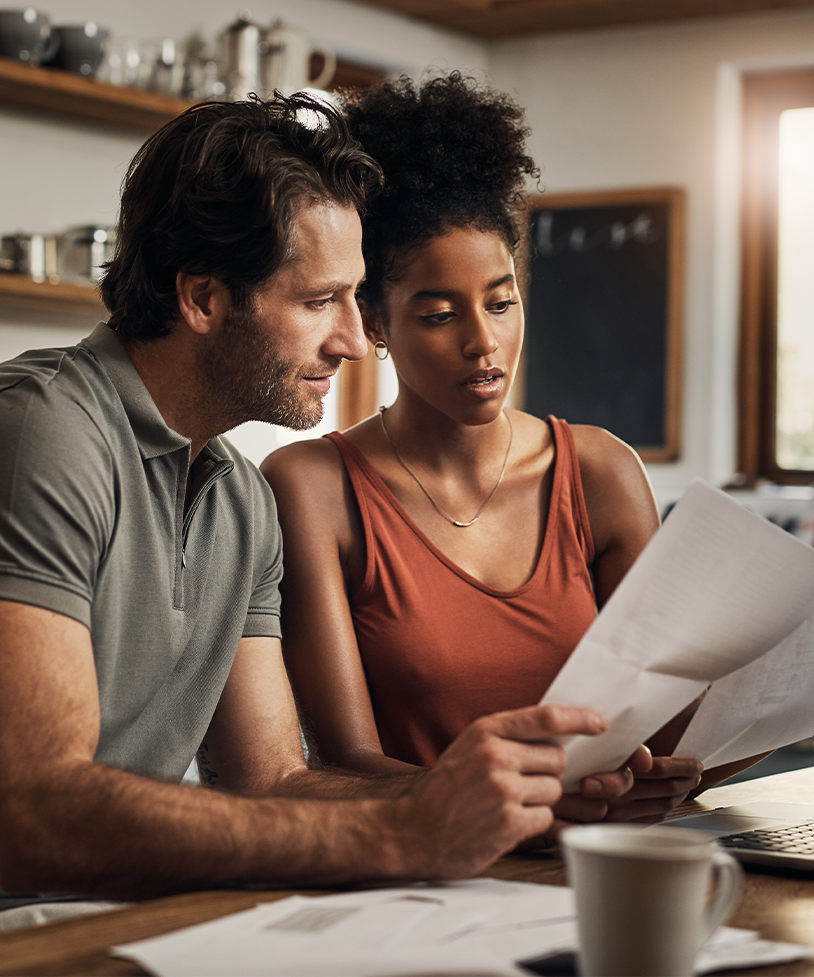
[(350, 74), (21, 292), (51, 91)]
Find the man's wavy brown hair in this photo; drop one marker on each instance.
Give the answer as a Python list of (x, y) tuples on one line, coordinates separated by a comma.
[(215, 192)]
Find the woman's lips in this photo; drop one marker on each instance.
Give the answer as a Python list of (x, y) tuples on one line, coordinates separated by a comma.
[(484, 384)]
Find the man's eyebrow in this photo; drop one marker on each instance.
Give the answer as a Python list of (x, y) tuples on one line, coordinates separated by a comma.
[(445, 293), (326, 288)]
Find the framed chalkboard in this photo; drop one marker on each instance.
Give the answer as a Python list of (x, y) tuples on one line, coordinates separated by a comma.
[(603, 313)]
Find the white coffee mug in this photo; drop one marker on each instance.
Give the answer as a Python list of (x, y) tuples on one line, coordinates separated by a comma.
[(287, 62), (643, 897)]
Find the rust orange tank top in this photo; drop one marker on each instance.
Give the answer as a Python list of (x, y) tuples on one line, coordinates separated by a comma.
[(439, 647)]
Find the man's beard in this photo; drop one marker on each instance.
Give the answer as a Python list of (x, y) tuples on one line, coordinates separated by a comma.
[(244, 378)]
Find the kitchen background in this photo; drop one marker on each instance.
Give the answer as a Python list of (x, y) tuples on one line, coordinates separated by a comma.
[(620, 107)]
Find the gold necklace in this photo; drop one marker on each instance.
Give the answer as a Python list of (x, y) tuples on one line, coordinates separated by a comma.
[(438, 509)]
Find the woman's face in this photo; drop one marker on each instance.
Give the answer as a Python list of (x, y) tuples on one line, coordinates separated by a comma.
[(455, 324)]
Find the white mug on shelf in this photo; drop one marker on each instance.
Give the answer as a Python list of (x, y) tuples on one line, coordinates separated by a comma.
[(287, 61), (642, 897)]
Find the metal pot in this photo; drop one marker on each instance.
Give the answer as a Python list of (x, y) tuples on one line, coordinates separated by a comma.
[(81, 251), (81, 47), (34, 255), (243, 48), (26, 35)]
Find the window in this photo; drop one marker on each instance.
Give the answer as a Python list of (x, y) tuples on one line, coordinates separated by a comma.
[(776, 386)]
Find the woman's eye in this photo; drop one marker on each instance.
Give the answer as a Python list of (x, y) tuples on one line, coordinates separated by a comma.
[(438, 318), (501, 307)]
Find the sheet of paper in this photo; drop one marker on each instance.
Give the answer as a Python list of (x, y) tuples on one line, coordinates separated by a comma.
[(729, 949), (762, 706), (473, 927), (716, 588), (480, 926)]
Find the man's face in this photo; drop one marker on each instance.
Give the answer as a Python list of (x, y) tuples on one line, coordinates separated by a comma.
[(273, 361)]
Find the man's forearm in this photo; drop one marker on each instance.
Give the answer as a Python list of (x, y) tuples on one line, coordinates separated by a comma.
[(335, 783), (295, 779), (99, 831), (71, 825)]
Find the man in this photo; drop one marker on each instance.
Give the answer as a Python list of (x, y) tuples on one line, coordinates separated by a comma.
[(140, 555)]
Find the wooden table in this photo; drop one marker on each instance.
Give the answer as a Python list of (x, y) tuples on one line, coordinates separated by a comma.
[(778, 908)]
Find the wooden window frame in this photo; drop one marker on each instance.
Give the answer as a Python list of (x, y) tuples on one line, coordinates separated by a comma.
[(765, 96)]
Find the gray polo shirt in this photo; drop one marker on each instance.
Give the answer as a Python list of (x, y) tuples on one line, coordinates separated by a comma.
[(92, 525)]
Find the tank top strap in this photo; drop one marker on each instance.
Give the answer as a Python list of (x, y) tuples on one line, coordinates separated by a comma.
[(355, 462), (361, 473), (364, 479), (568, 459)]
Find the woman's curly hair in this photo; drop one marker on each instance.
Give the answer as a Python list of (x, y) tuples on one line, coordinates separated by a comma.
[(453, 155)]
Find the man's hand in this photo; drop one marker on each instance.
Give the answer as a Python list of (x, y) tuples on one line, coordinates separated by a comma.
[(491, 789)]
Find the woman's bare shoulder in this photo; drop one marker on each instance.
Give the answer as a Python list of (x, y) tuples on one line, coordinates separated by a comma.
[(313, 490), (305, 468), (532, 435), (301, 460), (601, 453), (314, 458), (616, 487)]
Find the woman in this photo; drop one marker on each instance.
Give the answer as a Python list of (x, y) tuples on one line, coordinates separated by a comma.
[(445, 556)]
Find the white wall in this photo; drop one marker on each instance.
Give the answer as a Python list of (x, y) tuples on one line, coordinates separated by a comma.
[(653, 106)]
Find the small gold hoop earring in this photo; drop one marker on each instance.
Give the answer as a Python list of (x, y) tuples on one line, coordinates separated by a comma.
[(378, 347)]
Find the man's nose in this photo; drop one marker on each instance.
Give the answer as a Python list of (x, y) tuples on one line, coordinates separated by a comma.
[(349, 340)]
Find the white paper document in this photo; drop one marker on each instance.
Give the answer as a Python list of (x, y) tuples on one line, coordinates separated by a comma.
[(475, 927), (762, 706), (478, 926), (715, 589)]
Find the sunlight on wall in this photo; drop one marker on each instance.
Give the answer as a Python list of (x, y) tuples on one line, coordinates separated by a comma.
[(795, 298)]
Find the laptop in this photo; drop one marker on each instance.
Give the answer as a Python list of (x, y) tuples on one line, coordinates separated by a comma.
[(765, 833)]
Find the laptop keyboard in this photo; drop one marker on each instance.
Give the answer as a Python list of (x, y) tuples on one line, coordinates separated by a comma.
[(796, 839)]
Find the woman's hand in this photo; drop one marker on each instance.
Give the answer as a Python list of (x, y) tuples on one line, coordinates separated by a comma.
[(596, 794), (644, 789), (657, 791)]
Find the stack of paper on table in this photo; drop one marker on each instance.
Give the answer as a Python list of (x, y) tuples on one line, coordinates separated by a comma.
[(475, 927), (720, 597)]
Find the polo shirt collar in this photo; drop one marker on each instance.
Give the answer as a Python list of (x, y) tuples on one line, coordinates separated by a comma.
[(151, 431)]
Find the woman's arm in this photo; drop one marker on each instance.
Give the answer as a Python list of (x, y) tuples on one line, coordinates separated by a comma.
[(622, 509), (623, 516), (323, 553)]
